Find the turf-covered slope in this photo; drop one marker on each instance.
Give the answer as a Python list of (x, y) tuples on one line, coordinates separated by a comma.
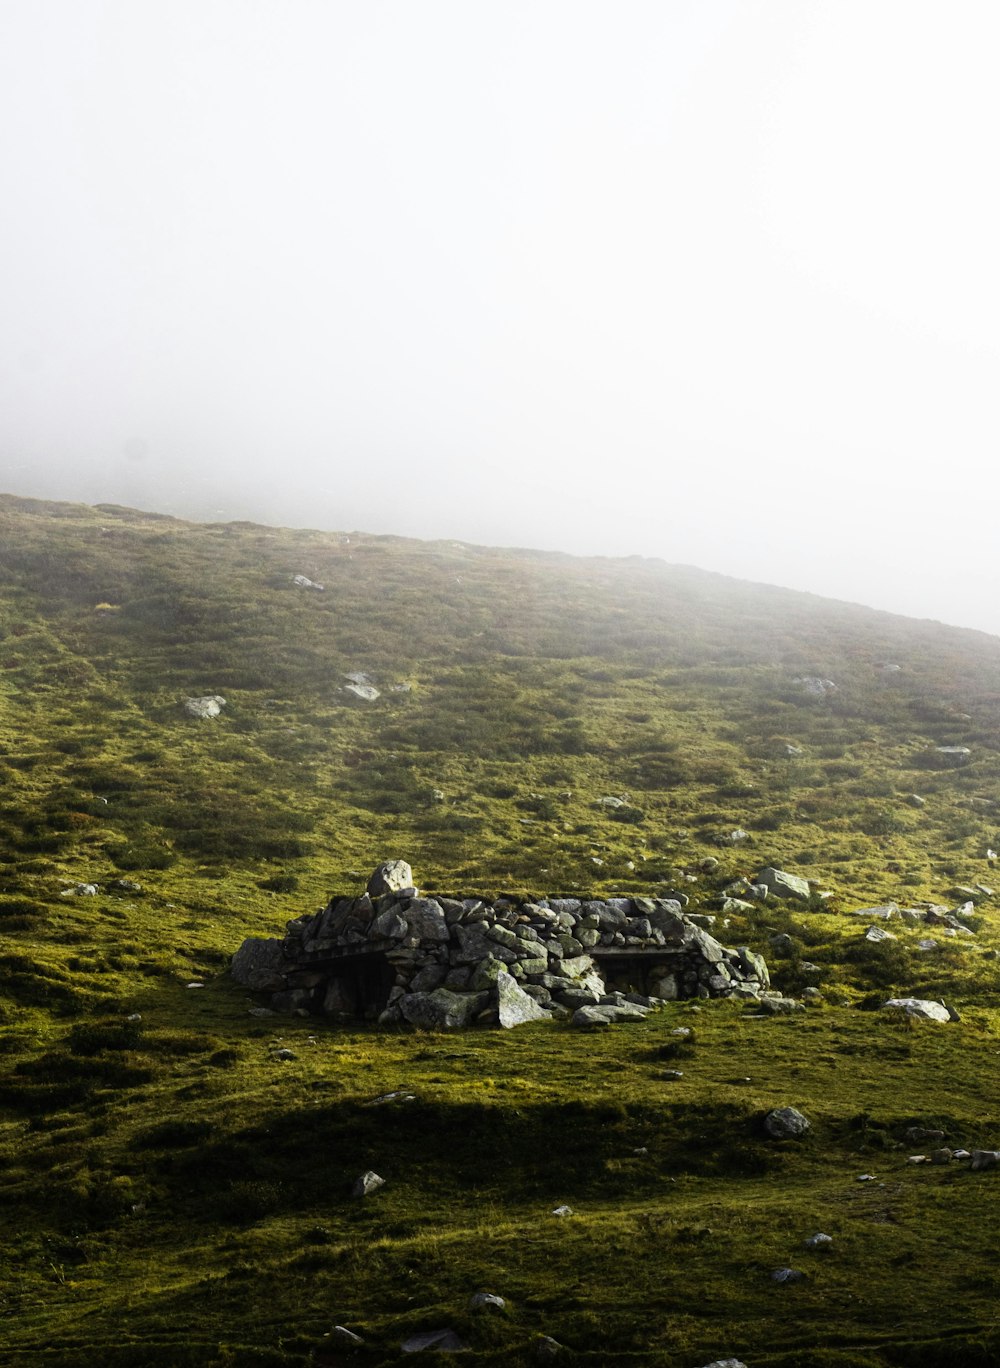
[(535, 686), (175, 1171)]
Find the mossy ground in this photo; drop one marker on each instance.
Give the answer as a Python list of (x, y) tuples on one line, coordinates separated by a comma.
[(173, 1193), (173, 1188)]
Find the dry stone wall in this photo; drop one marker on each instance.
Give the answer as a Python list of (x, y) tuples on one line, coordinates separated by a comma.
[(394, 956)]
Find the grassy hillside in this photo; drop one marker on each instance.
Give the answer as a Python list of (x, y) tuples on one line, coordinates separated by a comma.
[(179, 1194)]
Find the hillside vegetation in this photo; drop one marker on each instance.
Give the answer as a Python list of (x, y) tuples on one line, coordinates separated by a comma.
[(177, 1193)]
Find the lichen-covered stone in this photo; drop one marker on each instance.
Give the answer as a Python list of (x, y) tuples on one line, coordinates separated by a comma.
[(390, 877), (441, 1009), (260, 965), (514, 1006)]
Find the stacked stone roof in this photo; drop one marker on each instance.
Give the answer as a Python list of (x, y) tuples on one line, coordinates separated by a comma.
[(395, 956)]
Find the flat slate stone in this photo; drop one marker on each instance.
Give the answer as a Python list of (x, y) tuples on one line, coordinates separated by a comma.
[(784, 885)]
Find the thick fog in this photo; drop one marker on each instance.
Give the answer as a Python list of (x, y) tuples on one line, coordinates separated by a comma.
[(715, 282)]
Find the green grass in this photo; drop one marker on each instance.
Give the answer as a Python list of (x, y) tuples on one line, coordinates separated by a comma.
[(212, 1205), (172, 1193)]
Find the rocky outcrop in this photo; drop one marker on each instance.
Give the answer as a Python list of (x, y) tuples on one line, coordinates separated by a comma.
[(394, 956)]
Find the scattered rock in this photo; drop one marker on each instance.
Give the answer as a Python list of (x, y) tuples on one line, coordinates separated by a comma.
[(368, 1183), (787, 1275), (919, 1135), (783, 885), (563, 1211), (443, 1341), (547, 1348), (302, 582), (919, 1007), (984, 1159), (818, 1241), (285, 1054), (814, 685), (775, 1006), (345, 1338), (785, 1123), (485, 1301), (210, 705), (367, 692)]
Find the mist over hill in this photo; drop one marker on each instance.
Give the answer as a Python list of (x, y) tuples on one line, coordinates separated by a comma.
[(520, 687)]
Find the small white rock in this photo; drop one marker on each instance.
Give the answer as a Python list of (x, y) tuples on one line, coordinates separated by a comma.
[(368, 1183)]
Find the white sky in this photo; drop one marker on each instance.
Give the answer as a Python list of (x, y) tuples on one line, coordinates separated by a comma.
[(711, 280)]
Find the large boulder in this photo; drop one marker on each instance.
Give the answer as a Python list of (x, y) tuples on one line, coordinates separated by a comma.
[(442, 1009), (425, 919), (514, 1006), (785, 1123), (390, 877), (260, 965), (210, 705)]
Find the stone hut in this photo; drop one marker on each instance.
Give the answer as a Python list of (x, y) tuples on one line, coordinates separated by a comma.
[(393, 956)]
